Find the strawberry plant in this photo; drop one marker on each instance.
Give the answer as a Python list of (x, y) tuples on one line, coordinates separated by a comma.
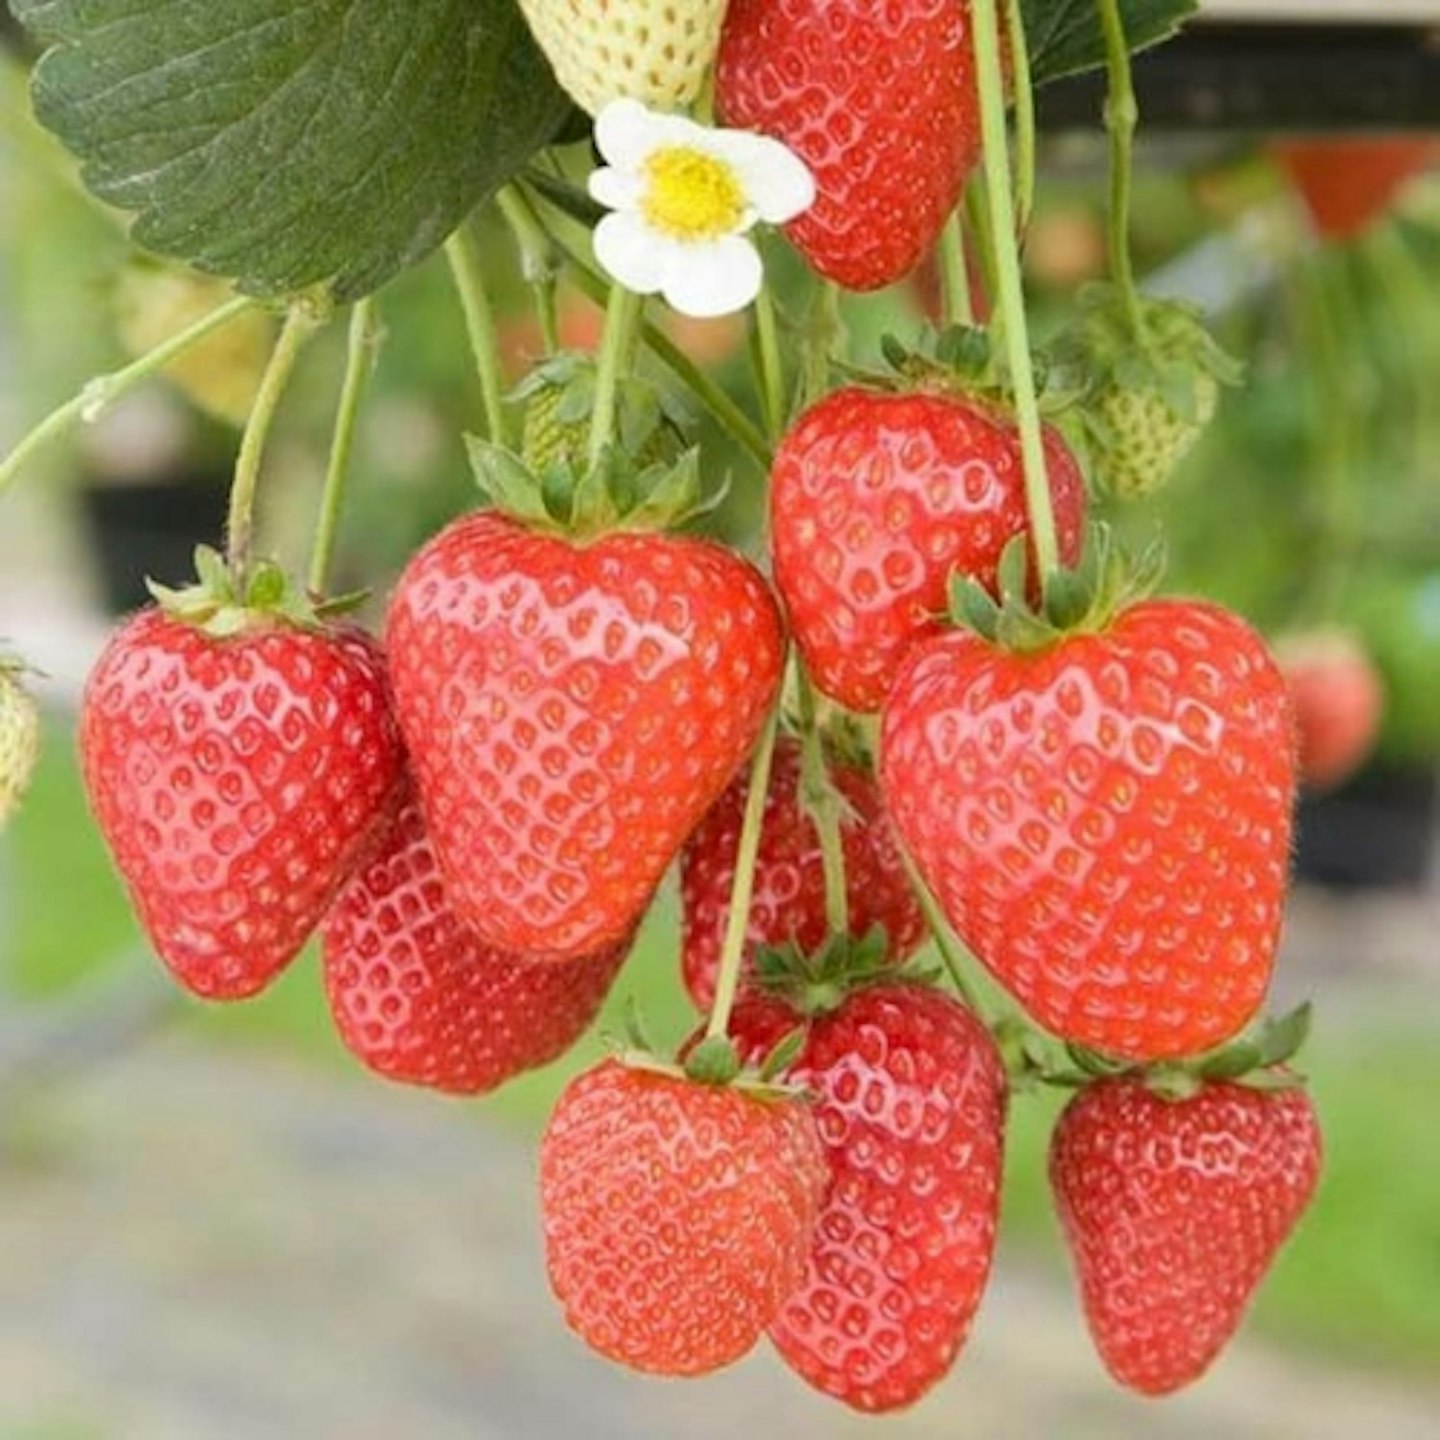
[(937, 702)]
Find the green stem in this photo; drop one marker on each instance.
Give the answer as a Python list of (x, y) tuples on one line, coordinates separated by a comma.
[(729, 415), (955, 273), (821, 804), (363, 343), (732, 952), (103, 391), (825, 333), (466, 266), (539, 262), (957, 966), (300, 322), (622, 320), (771, 370), (1122, 116), (977, 222), (1011, 293), (1024, 89)]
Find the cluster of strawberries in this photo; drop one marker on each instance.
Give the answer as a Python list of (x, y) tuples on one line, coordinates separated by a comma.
[(1094, 789)]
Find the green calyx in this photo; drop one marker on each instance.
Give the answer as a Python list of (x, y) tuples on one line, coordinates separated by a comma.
[(649, 479), (223, 607), (1080, 601), (1259, 1060), (817, 983), (963, 361)]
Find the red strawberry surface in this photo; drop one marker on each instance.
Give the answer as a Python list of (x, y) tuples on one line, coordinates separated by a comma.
[(238, 783), (910, 1097), (880, 101), (876, 500), (789, 898), (1173, 1212), (419, 999), (1106, 823), (1339, 702), (1349, 183), (677, 1216), (571, 712)]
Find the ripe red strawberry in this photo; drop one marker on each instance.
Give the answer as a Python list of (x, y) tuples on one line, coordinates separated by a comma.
[(1339, 704), (875, 500), (677, 1215), (418, 999), (910, 1099), (789, 902), (1173, 1212), (1349, 183), (571, 713), (1106, 821), (238, 783), (879, 100)]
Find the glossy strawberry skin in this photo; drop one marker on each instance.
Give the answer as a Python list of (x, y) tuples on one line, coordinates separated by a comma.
[(789, 898), (571, 713), (1105, 823), (238, 783), (418, 999), (1339, 702), (1349, 183), (677, 1216), (879, 100), (1173, 1212), (910, 1099), (876, 500)]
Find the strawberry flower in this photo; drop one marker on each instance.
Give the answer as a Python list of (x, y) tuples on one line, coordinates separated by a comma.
[(684, 198)]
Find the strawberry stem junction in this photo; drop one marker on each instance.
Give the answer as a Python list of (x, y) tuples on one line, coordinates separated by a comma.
[(1010, 290)]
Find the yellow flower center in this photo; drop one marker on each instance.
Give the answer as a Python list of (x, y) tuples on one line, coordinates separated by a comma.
[(691, 195)]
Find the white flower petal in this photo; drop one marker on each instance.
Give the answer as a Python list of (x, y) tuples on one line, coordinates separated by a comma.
[(776, 181), (703, 281), (625, 133), (630, 252), (616, 189)]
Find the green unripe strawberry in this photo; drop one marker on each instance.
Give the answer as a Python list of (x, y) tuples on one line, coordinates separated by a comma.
[(221, 373), (654, 51), (1146, 436), (559, 402), (19, 741)]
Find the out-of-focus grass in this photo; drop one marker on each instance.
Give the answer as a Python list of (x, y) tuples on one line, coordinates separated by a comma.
[(1360, 1280)]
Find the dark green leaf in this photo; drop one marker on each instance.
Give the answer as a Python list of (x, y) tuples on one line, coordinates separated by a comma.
[(1065, 35), (293, 145)]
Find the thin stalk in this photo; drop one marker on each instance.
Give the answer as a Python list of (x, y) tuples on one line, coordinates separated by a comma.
[(1024, 90), (726, 412), (104, 390), (977, 222), (622, 320), (732, 953), (955, 273), (1122, 115), (1011, 294), (825, 332), (466, 268), (300, 323), (363, 343), (770, 368), (820, 800), (538, 260), (956, 965)]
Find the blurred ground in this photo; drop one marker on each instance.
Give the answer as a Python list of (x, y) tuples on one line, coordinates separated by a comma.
[(316, 1258)]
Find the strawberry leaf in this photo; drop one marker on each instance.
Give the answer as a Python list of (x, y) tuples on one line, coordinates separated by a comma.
[(1065, 35), (292, 146)]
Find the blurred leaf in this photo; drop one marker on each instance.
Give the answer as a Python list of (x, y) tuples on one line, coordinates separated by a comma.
[(286, 146), (1065, 35)]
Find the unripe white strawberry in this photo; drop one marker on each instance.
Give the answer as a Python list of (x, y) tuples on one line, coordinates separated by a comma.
[(654, 51), (19, 741)]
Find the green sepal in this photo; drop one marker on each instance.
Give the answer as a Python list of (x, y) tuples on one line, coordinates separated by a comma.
[(786, 1052), (818, 982), (220, 607)]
